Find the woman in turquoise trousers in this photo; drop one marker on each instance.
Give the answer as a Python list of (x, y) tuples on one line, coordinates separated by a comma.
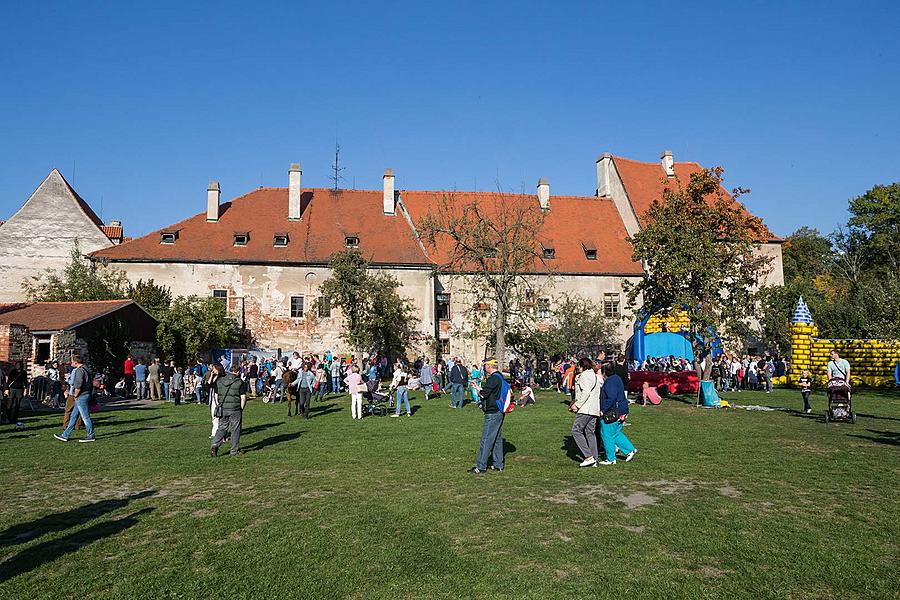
[(612, 398)]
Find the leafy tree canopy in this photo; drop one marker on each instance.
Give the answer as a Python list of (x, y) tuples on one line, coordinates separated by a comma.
[(193, 326), (78, 281), (698, 247)]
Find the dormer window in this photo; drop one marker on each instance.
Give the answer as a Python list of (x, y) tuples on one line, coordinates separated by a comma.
[(549, 253), (280, 240), (241, 238), (590, 250), (168, 237), (351, 241)]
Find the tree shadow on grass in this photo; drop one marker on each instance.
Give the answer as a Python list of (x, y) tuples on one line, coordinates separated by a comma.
[(112, 421), (876, 417), (571, 448), (24, 532), (272, 441), (36, 556), (414, 408), (508, 447), (891, 438)]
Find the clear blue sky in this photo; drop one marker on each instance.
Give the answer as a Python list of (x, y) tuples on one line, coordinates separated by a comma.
[(797, 100)]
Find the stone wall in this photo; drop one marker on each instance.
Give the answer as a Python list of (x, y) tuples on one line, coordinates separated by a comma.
[(15, 344), (142, 350)]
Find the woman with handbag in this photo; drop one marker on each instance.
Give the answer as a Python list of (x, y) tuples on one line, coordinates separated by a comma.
[(587, 408), (613, 412)]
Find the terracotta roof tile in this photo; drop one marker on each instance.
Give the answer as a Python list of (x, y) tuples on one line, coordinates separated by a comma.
[(56, 316), (644, 182), (113, 232), (327, 219), (569, 220)]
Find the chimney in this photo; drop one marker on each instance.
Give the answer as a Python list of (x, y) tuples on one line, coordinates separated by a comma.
[(543, 193), (115, 223), (388, 191), (668, 163), (213, 193), (604, 166), (294, 191)]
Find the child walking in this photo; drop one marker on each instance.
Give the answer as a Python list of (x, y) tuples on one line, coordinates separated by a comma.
[(805, 390), (355, 386)]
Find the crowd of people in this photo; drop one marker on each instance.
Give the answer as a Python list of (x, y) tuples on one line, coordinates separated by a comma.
[(596, 386)]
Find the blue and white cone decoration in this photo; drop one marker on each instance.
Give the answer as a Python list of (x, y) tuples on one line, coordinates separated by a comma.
[(801, 313)]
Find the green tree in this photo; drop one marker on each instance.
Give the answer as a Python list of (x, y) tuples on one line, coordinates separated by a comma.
[(79, 280), (876, 216), (575, 327), (806, 254), (495, 245), (699, 248), (376, 317), (193, 326), (156, 299)]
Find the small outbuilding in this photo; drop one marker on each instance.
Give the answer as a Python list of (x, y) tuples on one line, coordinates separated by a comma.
[(38, 332)]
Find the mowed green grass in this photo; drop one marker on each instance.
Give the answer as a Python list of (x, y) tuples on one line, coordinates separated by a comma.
[(717, 504)]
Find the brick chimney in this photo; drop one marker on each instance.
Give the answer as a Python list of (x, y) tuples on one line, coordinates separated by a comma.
[(389, 198), (604, 166), (294, 192), (668, 163), (213, 194), (543, 193)]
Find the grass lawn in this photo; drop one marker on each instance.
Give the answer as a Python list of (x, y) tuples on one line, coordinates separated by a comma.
[(717, 504)]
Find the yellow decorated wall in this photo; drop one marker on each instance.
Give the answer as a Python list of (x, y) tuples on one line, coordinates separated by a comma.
[(676, 320), (872, 362)]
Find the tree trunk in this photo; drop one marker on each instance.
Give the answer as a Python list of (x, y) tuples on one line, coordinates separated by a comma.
[(500, 337)]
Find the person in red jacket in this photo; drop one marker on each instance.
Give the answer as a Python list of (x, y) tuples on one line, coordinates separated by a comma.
[(129, 375)]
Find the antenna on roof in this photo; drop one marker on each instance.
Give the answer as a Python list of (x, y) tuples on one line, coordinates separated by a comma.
[(336, 168)]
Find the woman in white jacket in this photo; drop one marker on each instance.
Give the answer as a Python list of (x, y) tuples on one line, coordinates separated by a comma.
[(587, 409)]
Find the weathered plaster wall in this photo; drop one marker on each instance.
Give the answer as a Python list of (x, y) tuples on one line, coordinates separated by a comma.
[(41, 235), (260, 295)]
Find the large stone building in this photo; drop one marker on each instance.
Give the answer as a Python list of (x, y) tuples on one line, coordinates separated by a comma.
[(266, 253), (42, 233)]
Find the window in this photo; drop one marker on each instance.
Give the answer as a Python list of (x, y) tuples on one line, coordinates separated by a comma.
[(443, 307), (590, 250), (549, 253), (543, 308), (351, 241), (241, 238), (221, 295), (296, 307), (611, 304), (281, 240), (43, 349), (529, 296), (445, 347), (168, 237), (323, 305)]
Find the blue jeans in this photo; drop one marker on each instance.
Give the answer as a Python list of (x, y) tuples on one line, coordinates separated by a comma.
[(612, 436), (166, 390), (403, 396), (491, 441), (81, 408), (457, 390), (197, 393), (336, 384)]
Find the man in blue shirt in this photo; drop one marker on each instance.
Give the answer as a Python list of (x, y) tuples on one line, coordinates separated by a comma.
[(140, 378)]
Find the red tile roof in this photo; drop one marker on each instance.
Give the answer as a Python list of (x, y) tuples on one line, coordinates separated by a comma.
[(56, 316), (113, 232), (570, 221), (327, 219), (645, 182)]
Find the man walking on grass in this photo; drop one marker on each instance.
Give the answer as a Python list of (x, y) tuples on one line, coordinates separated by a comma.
[(491, 437), (81, 390), (458, 378), (231, 397)]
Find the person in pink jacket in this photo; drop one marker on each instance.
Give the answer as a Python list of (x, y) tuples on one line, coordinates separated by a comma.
[(355, 386), (650, 395)]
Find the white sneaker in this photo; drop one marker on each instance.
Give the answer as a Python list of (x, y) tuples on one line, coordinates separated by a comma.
[(807, 411), (606, 462), (630, 455), (590, 460), (395, 415)]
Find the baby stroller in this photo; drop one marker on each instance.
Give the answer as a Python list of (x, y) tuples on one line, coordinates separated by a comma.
[(840, 405), (376, 401)]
